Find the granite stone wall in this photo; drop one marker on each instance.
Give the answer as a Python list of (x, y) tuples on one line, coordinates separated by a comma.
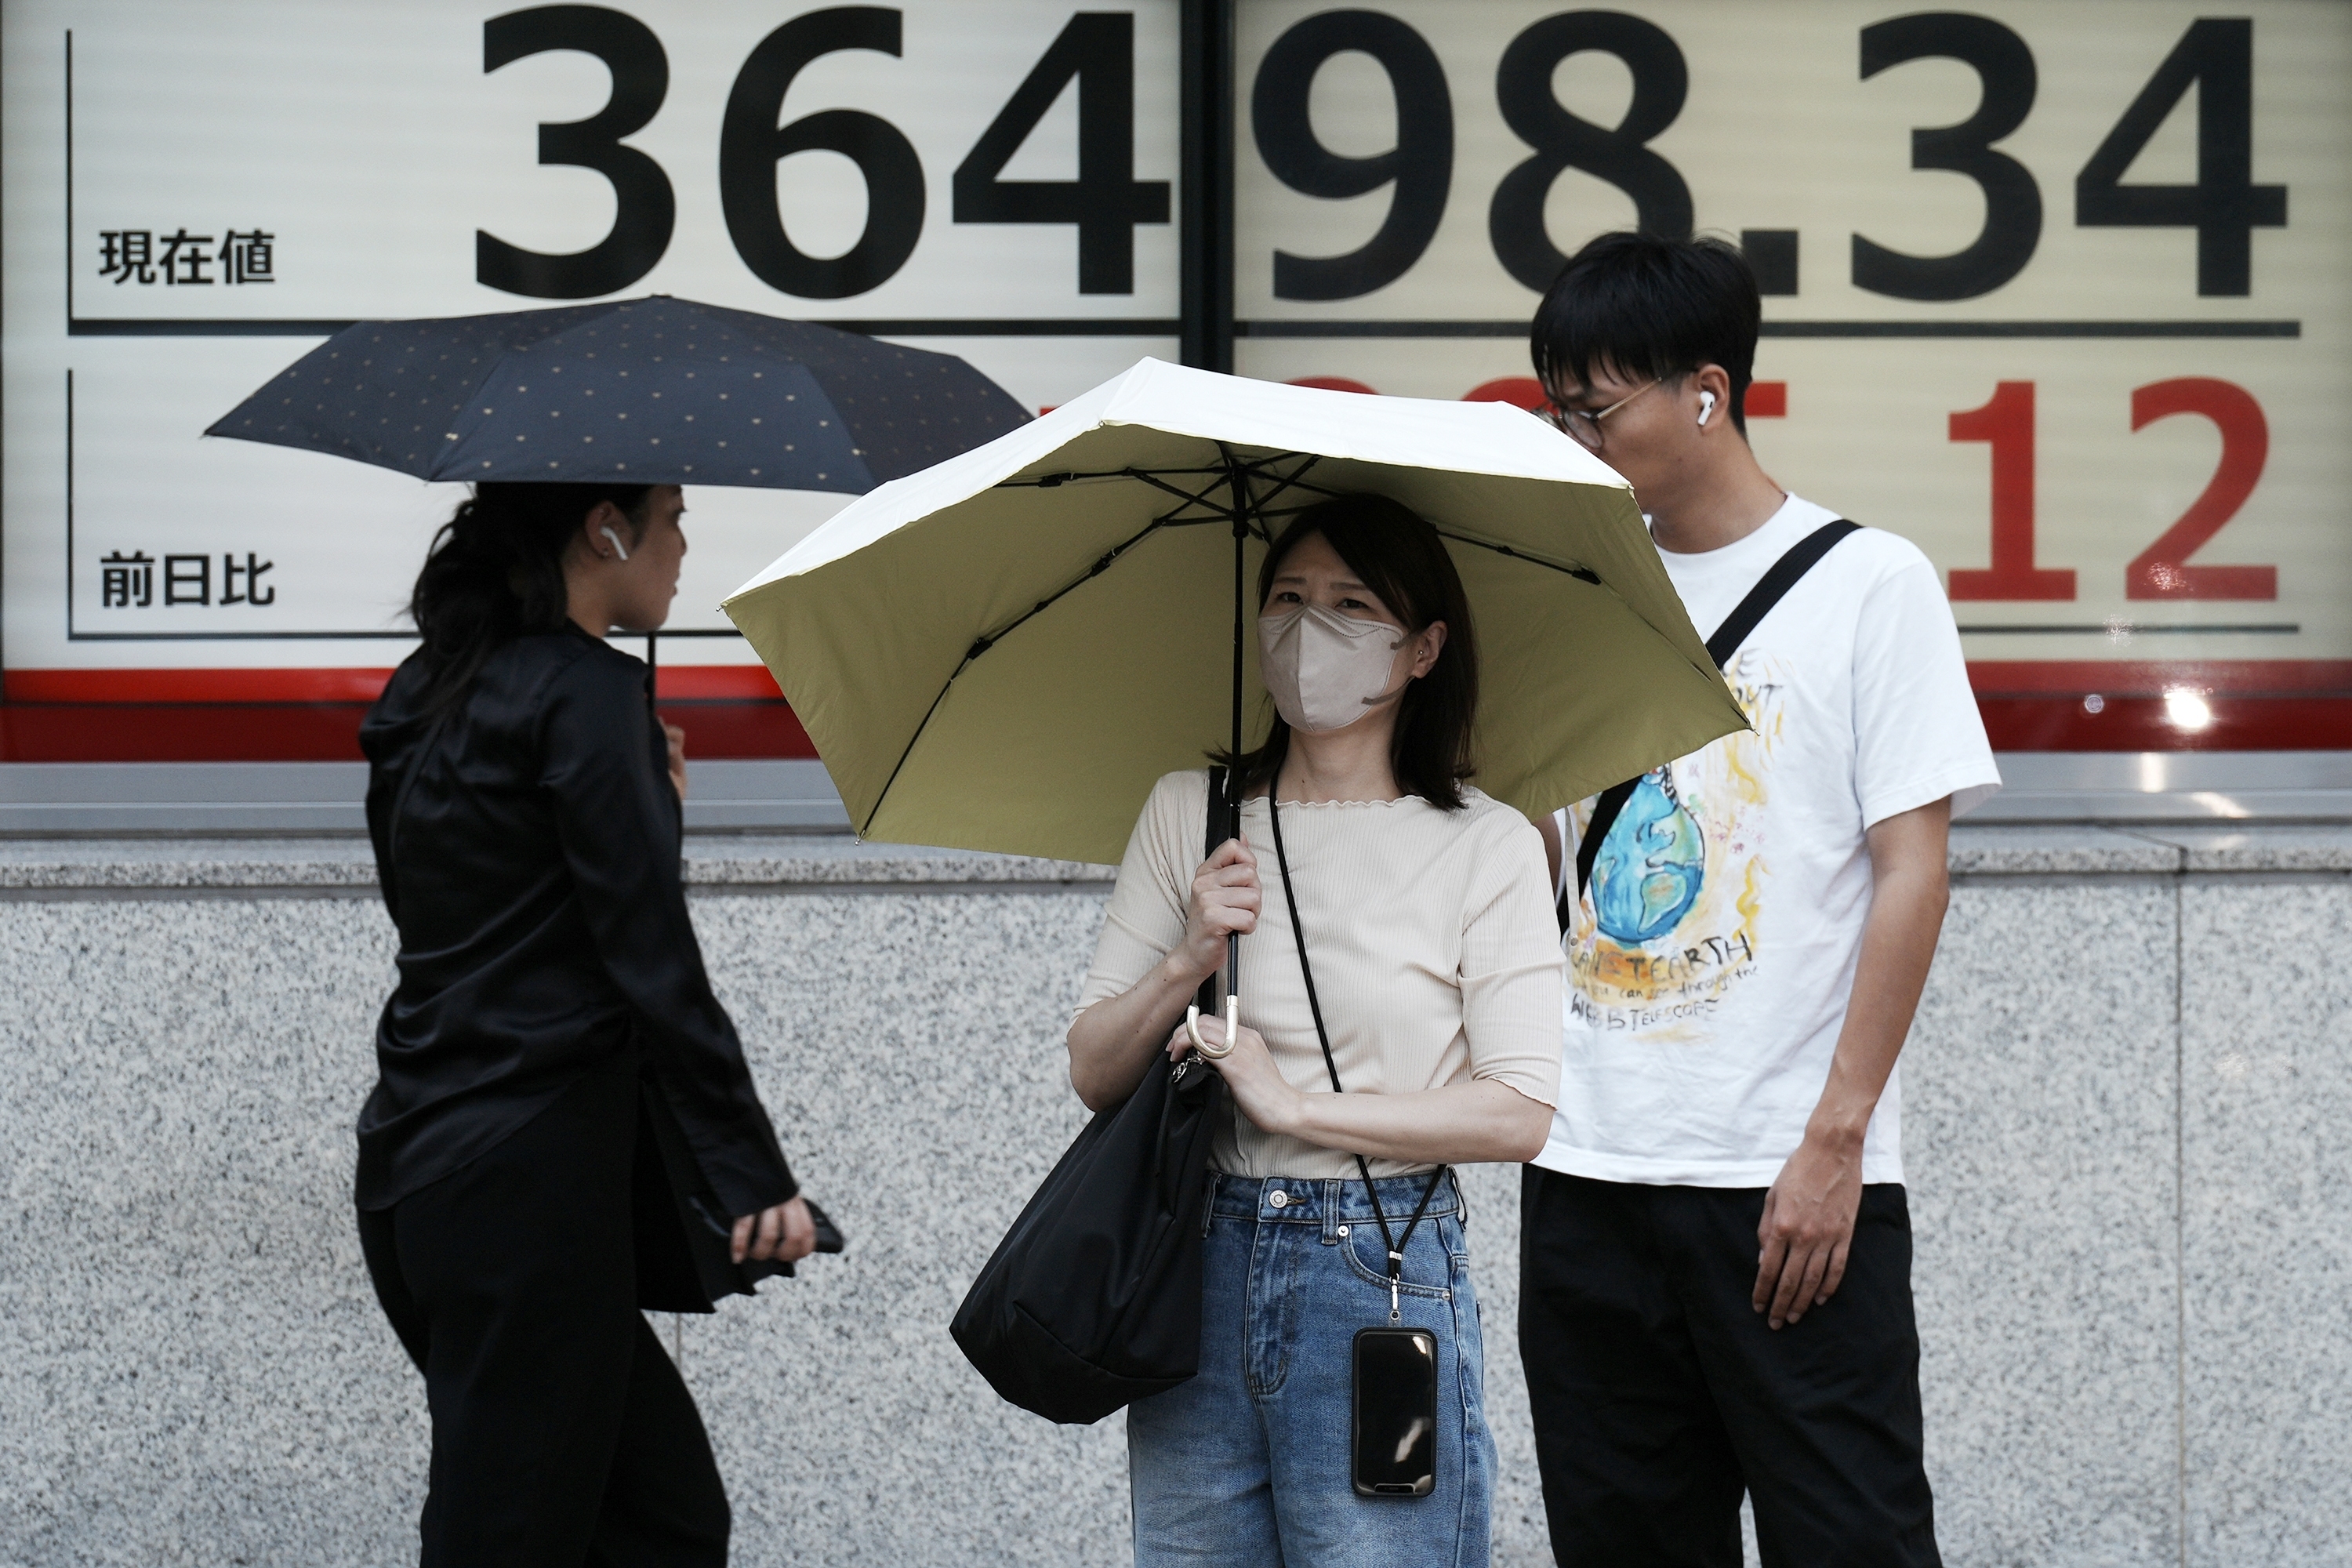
[(2129, 1121)]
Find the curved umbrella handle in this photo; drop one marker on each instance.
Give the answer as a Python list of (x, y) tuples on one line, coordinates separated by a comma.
[(1232, 1023)]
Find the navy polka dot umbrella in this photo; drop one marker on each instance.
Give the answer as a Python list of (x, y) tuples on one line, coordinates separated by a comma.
[(653, 391)]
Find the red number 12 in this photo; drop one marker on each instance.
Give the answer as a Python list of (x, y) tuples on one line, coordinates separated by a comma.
[(2159, 571)]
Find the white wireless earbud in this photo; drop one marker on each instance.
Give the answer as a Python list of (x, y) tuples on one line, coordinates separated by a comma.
[(1705, 408), (618, 548)]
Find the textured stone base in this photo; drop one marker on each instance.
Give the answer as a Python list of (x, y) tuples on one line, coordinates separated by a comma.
[(2127, 1095)]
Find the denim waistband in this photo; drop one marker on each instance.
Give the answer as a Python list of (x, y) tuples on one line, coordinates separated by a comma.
[(1326, 1201)]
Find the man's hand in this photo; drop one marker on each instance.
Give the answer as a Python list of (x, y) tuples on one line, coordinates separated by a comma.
[(1808, 1228)]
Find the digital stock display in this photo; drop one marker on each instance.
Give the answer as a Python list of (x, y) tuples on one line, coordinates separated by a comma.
[(2060, 290)]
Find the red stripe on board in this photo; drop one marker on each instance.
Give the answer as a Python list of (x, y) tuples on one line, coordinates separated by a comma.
[(730, 730), (181, 733), (716, 728), (735, 712), (703, 682), (2120, 705), (2154, 678), (153, 685), (2149, 724), (684, 683)]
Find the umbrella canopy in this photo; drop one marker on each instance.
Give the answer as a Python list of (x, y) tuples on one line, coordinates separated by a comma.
[(1004, 652), (653, 391)]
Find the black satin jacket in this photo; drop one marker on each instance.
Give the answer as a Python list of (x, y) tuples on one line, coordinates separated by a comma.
[(534, 878)]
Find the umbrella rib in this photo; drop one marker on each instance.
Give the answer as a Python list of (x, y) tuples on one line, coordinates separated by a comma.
[(1295, 480), (1217, 513), (1582, 574), (981, 644), (1051, 482)]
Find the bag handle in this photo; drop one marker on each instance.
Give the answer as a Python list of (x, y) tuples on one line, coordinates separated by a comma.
[(1395, 1244), (1770, 588)]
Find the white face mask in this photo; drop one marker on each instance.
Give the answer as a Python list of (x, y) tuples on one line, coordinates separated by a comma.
[(1325, 668)]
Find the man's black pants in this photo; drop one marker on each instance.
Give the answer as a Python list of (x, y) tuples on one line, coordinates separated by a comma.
[(1660, 1394), (563, 1436)]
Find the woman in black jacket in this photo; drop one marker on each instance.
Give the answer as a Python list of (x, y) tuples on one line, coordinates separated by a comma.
[(523, 798)]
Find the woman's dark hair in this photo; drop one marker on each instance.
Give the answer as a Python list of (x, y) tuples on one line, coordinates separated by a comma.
[(494, 571), (1648, 306), (1402, 560)]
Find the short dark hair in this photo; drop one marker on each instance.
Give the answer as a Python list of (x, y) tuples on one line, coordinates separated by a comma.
[(1400, 557), (1648, 306)]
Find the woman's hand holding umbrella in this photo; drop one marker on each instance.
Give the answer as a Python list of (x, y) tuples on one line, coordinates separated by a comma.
[(1112, 1044), (1225, 902)]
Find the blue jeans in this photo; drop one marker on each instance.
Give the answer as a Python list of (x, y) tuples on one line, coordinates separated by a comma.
[(1248, 1465)]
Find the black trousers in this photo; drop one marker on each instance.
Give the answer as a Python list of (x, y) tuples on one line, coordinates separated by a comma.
[(1659, 1395), (563, 1436)]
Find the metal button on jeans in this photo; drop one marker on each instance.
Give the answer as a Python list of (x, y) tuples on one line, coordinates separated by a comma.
[(1277, 1199), (1343, 1230)]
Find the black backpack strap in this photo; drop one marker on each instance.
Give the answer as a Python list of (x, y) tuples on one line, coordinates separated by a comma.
[(1772, 586), (1588, 849), (1745, 617)]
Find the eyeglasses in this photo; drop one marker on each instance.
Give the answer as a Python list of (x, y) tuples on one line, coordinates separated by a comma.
[(1586, 425)]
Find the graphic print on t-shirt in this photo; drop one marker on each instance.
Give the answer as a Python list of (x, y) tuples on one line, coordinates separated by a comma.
[(1678, 882)]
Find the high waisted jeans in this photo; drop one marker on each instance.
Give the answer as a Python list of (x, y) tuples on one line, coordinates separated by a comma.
[(1247, 1465)]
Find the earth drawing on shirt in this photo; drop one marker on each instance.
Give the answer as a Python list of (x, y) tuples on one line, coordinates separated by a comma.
[(1650, 866), (1670, 927)]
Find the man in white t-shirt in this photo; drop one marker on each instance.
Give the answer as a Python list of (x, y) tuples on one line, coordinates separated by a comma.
[(1715, 1291)]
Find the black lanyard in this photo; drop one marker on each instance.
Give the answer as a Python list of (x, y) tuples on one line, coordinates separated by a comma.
[(1396, 1245)]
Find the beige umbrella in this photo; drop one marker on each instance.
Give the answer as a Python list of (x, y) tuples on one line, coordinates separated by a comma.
[(1003, 651)]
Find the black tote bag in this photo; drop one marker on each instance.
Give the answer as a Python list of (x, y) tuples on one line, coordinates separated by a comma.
[(1093, 1298)]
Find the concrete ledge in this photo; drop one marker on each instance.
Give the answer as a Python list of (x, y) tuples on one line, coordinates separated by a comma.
[(132, 865), (838, 863), (832, 862), (280, 799), (2125, 1103)]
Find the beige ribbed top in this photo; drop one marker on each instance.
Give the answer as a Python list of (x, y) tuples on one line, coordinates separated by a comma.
[(1436, 951)]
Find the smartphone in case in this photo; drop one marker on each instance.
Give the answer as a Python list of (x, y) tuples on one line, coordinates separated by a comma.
[(1394, 1401)]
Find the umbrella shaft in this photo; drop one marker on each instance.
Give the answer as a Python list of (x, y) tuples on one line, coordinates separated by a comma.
[(1241, 545)]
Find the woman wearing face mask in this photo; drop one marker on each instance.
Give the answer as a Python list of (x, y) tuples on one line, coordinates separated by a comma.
[(1434, 957), (524, 803)]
